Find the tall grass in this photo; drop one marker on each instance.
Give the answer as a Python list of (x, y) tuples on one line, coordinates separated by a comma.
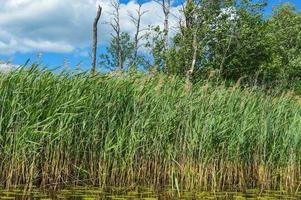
[(62, 129)]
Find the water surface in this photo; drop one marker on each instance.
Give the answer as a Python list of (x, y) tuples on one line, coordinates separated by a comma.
[(88, 193)]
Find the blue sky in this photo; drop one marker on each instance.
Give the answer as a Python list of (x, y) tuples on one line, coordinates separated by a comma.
[(60, 30)]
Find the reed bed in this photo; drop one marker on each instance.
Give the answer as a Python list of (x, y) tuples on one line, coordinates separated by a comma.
[(63, 130)]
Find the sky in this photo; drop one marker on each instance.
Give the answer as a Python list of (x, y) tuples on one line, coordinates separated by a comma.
[(60, 31)]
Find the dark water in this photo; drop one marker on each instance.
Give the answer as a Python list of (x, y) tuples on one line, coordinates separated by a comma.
[(86, 193)]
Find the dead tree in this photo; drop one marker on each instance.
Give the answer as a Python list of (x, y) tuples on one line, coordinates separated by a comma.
[(166, 10), (94, 47), (166, 5), (115, 24), (136, 20)]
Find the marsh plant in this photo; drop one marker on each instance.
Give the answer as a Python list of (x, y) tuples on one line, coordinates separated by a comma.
[(71, 129)]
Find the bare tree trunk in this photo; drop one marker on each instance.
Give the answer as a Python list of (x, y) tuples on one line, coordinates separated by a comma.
[(166, 10), (189, 24), (116, 27), (192, 22), (136, 38), (94, 48), (194, 57), (137, 22)]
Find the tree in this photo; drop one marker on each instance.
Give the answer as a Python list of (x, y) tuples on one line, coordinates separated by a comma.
[(118, 53), (237, 47), (187, 49), (94, 47), (155, 44), (116, 42), (136, 20), (166, 6), (228, 38), (219, 36), (120, 49), (284, 38)]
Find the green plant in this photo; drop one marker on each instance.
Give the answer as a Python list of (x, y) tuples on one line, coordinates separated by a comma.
[(62, 129)]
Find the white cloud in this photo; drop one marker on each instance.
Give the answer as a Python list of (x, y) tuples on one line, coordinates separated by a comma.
[(6, 67), (63, 25)]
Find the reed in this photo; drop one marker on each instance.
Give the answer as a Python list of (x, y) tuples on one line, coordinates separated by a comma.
[(63, 129)]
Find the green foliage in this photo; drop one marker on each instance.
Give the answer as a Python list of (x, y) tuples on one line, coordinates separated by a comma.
[(236, 42), (284, 38), (229, 39), (110, 59), (181, 53), (155, 44), (238, 49), (58, 129)]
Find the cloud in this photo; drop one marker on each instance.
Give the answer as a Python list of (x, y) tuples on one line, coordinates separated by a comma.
[(6, 67), (63, 26)]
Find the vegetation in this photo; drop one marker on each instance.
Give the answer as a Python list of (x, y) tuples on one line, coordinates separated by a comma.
[(64, 129), (228, 40), (212, 109)]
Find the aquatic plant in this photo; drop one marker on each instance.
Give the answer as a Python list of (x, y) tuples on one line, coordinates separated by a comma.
[(71, 129)]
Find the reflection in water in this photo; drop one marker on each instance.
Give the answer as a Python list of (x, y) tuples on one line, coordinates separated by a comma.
[(88, 193)]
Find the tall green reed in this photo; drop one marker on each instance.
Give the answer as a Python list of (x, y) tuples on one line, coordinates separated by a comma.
[(64, 129)]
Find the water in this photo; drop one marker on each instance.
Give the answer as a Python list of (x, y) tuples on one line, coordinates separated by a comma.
[(85, 193)]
